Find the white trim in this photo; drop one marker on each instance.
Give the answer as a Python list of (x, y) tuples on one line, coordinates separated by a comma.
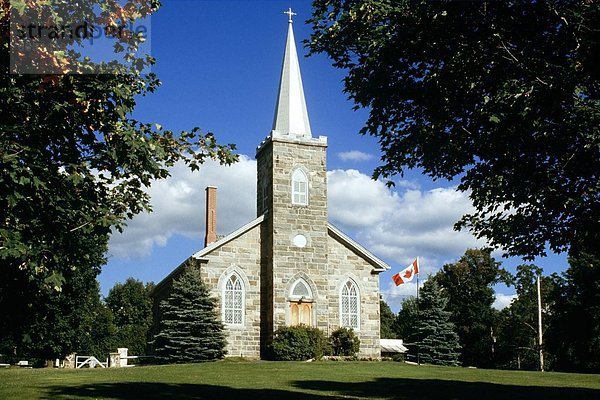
[(233, 308), (300, 176), (200, 254), (376, 262), (221, 285), (302, 281), (239, 232)]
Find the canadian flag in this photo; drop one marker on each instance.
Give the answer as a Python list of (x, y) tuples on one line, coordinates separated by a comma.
[(407, 274)]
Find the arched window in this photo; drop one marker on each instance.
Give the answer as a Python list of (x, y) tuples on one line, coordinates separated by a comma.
[(301, 290), (350, 305), (299, 188), (233, 301)]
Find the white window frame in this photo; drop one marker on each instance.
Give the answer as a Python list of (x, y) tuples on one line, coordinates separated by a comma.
[(299, 193), (293, 297), (349, 318), (238, 314)]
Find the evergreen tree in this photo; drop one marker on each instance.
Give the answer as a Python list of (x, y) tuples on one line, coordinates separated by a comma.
[(190, 330), (437, 338)]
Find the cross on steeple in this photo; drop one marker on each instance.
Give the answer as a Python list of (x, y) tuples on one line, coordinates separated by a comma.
[(290, 13)]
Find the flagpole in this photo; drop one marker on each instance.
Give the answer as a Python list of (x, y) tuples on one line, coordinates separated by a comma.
[(418, 322), (540, 334)]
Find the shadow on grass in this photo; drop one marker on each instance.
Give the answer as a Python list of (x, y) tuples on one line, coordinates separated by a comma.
[(421, 389), (152, 390), (385, 388)]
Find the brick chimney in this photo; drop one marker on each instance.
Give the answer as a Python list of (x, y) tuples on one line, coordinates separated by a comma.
[(211, 215)]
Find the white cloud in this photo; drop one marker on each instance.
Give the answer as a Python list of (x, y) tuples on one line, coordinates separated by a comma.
[(178, 204), (355, 156), (396, 225), (503, 300), (401, 224)]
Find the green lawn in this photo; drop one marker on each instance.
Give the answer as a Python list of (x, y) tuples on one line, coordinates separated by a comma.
[(295, 380)]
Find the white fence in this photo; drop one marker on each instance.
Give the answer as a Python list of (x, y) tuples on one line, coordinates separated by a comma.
[(90, 361)]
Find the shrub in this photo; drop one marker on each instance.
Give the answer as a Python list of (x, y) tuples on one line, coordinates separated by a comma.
[(297, 343), (344, 342)]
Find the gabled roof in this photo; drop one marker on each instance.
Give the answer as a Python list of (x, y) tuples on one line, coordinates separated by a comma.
[(200, 254), (376, 262), (229, 238), (334, 232)]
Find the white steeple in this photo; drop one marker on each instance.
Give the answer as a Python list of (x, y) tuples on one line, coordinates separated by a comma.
[(291, 116)]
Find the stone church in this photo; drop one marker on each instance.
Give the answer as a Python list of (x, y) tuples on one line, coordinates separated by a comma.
[(288, 266)]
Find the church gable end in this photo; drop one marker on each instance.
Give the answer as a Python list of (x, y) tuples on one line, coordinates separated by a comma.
[(289, 266)]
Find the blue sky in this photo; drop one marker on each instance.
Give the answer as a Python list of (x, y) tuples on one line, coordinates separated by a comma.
[(219, 62)]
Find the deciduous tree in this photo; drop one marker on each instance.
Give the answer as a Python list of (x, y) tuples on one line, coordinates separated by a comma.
[(467, 284), (502, 96), (74, 162), (131, 305), (574, 334), (387, 321)]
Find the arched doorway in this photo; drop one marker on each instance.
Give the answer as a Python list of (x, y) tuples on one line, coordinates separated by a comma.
[(301, 304)]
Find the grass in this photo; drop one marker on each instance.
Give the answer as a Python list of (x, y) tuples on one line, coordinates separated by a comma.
[(294, 380)]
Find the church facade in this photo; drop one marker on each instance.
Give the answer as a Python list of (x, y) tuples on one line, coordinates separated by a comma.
[(289, 265)]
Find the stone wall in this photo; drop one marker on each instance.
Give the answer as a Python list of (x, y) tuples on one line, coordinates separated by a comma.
[(241, 255), (278, 158), (345, 264)]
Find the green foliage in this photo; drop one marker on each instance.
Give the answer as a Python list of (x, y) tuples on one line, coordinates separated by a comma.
[(344, 342), (298, 343), (468, 286), (517, 328), (501, 95), (190, 329), (100, 331), (74, 164), (131, 304), (45, 324), (574, 334), (437, 340), (387, 321), (405, 325)]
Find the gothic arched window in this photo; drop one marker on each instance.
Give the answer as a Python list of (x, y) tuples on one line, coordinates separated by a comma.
[(350, 305), (299, 188), (301, 290), (233, 301)]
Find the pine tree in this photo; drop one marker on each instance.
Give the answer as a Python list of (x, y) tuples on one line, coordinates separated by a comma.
[(438, 339), (190, 330)]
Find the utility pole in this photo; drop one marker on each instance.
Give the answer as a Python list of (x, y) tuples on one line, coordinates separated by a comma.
[(418, 325), (539, 299)]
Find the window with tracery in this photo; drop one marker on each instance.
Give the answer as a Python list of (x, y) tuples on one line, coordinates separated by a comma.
[(233, 301), (350, 305)]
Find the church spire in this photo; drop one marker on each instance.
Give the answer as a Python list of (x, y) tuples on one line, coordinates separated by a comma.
[(291, 116)]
